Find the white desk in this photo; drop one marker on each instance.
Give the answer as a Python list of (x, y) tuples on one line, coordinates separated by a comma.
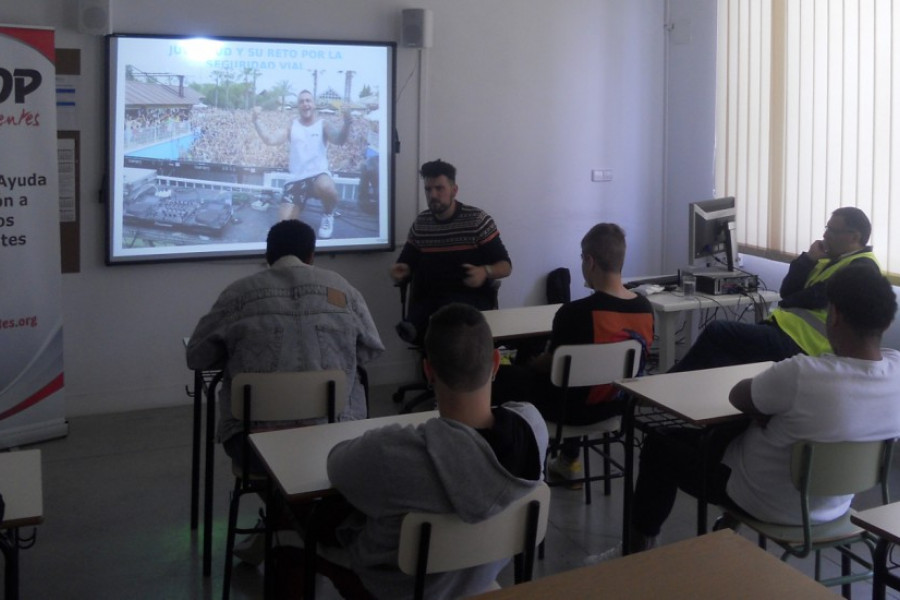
[(296, 458), (667, 306), (699, 398), (530, 321), (524, 321), (884, 522), (22, 487), (718, 566)]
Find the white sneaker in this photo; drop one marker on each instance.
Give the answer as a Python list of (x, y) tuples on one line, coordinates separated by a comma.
[(609, 554), (326, 227)]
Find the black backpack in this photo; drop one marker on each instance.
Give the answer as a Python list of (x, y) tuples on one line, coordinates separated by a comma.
[(558, 286)]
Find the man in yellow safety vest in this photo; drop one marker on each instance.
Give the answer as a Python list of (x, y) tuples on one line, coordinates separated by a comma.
[(798, 324)]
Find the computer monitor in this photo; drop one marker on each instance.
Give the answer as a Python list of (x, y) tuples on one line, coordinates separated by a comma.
[(713, 231)]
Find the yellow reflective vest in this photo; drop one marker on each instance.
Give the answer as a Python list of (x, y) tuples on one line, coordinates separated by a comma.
[(806, 326)]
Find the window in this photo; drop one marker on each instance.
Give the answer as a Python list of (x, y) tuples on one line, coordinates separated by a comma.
[(808, 119)]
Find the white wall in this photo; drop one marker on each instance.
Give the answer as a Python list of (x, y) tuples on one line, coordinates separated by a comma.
[(525, 97), (690, 119)]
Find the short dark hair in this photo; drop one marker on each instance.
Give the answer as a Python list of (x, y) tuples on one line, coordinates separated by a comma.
[(459, 347), (864, 297), (605, 243), (290, 238), (856, 220), (436, 168)]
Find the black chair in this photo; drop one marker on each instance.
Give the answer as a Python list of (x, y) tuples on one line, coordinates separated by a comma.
[(558, 284), (407, 332)]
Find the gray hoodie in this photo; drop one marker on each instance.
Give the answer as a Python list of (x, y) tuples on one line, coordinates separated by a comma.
[(441, 466)]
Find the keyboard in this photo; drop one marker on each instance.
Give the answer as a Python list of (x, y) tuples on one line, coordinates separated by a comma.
[(662, 281)]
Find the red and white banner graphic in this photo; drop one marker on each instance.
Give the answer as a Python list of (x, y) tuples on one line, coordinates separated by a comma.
[(31, 343)]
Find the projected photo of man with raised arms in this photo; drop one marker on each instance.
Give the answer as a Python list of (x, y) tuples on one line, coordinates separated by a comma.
[(214, 140), (308, 137)]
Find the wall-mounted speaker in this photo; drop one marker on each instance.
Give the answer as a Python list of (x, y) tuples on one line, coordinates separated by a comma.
[(94, 17), (417, 29)]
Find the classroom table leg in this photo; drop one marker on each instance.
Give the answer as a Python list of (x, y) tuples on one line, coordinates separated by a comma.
[(702, 503), (195, 449), (666, 323), (881, 569), (628, 492), (208, 474), (9, 546)]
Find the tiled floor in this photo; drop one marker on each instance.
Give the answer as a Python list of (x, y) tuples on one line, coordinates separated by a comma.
[(116, 503)]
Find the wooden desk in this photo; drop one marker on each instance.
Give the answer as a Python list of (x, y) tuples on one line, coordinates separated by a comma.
[(884, 522), (698, 398), (296, 458), (667, 306), (22, 488), (521, 322), (717, 566)]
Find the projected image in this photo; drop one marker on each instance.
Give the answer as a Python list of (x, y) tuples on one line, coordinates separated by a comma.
[(214, 140)]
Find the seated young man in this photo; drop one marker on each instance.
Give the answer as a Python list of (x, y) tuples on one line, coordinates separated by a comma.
[(850, 395), (612, 313), (292, 316), (472, 461)]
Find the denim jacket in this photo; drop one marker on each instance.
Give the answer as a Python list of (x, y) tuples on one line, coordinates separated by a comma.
[(290, 317)]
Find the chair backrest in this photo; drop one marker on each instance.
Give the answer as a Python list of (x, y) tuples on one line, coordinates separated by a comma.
[(840, 468), (289, 396), (595, 364), (436, 543)]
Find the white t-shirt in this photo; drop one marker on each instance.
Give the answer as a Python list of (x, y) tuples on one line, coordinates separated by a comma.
[(824, 399), (307, 156)]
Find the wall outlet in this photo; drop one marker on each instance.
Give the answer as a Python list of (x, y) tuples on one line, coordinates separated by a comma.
[(601, 175)]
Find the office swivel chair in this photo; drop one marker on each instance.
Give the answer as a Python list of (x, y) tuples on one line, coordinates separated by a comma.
[(407, 332)]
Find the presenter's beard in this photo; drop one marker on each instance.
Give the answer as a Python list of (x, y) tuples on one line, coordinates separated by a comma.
[(438, 209)]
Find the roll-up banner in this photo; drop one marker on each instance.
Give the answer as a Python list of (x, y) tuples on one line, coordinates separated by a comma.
[(32, 406)]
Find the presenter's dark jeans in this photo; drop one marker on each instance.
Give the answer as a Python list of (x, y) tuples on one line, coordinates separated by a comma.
[(420, 310), (674, 460), (724, 343)]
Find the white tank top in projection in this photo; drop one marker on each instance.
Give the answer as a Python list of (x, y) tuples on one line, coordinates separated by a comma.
[(307, 154)]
